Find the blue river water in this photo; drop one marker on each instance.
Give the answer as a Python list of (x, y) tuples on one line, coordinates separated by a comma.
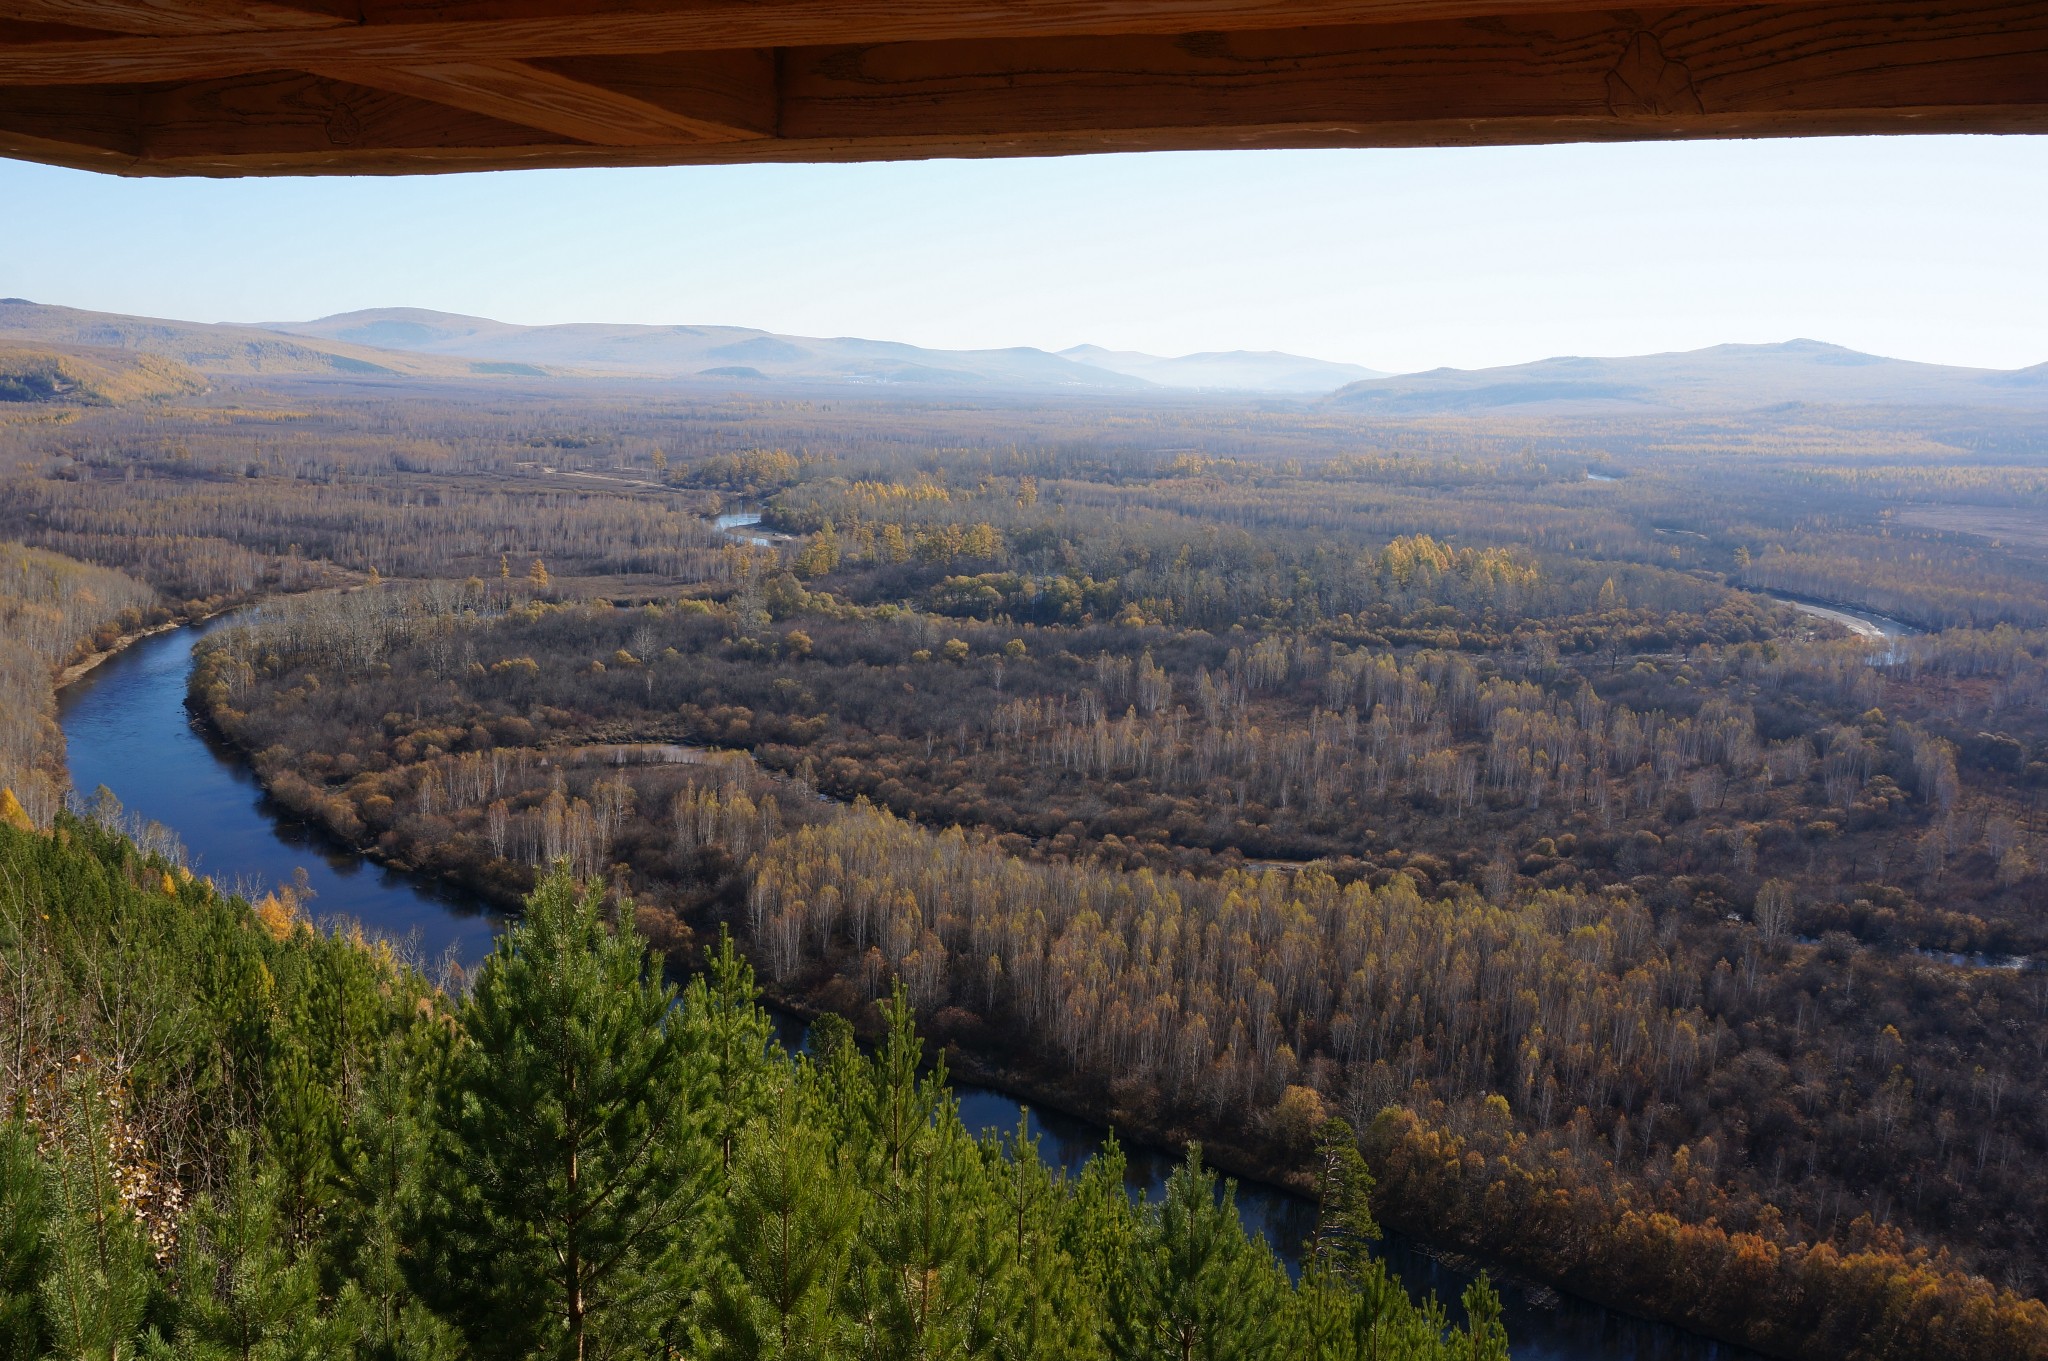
[(128, 729)]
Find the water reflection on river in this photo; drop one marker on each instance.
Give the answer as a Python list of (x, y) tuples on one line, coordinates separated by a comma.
[(128, 729), (746, 526)]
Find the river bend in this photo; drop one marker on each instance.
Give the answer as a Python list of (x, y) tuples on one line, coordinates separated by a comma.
[(128, 729)]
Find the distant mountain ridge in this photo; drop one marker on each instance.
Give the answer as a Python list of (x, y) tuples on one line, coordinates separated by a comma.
[(621, 350), (408, 342), (1227, 371), (747, 353), (210, 348), (1718, 378)]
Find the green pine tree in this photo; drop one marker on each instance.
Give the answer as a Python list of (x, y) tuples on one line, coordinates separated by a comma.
[(1345, 1228), (789, 1219), (1028, 1279), (24, 1253), (729, 1039), (568, 1169), (898, 1108), (101, 1277), (246, 1292), (1203, 1290), (381, 1160), (914, 1287), (1100, 1234), (1485, 1337)]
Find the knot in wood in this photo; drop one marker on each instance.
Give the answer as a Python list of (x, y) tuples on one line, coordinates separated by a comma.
[(1646, 82), (344, 128)]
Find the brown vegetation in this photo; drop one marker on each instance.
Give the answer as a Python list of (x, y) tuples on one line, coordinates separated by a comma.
[(88, 376), (1637, 899), (52, 610)]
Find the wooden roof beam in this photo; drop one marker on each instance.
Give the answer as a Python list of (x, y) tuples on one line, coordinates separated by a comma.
[(275, 117), (690, 97), (284, 112), (73, 126), (514, 30), (1754, 69), (1751, 71)]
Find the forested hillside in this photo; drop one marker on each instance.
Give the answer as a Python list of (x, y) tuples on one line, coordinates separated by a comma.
[(88, 376), (228, 1134), (1220, 770), (51, 610)]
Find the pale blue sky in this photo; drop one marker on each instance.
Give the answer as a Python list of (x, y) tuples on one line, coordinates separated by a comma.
[(1924, 248)]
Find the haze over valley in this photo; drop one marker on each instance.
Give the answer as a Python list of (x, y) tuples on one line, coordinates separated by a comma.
[(1588, 816), (424, 344)]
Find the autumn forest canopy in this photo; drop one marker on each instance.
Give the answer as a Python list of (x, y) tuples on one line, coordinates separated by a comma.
[(1607, 845)]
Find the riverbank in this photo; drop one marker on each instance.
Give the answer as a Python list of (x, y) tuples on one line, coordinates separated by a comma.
[(85, 666), (127, 726), (1256, 1162), (1861, 622), (315, 822)]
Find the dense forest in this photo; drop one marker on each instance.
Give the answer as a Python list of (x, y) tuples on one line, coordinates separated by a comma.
[(230, 1135), (52, 610), (1226, 771)]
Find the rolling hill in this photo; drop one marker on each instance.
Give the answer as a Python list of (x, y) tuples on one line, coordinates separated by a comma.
[(725, 352), (409, 342), (88, 376), (223, 350), (1720, 378), (735, 352)]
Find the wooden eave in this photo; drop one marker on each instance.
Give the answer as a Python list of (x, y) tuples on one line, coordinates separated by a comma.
[(251, 87)]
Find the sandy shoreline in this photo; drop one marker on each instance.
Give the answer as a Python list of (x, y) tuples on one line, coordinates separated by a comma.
[(121, 644)]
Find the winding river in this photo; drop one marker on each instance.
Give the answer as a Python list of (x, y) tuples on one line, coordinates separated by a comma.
[(128, 729), (1862, 623)]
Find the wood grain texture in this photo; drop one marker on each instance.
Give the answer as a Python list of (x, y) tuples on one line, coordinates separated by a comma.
[(288, 113), (101, 123), (176, 17), (825, 22), (21, 32), (23, 146), (697, 97), (525, 30), (736, 93), (1445, 133), (398, 107), (1648, 65)]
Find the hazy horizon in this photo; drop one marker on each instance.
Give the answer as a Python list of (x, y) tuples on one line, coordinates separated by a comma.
[(1402, 261), (281, 324)]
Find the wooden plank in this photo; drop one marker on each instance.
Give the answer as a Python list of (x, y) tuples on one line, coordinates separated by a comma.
[(1437, 133), (102, 124), (287, 113), (699, 96), (22, 146), (173, 17), (20, 32), (1649, 66), (541, 30), (830, 22), (734, 91)]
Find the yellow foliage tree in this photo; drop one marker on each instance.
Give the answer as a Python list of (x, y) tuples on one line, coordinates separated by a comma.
[(12, 813)]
